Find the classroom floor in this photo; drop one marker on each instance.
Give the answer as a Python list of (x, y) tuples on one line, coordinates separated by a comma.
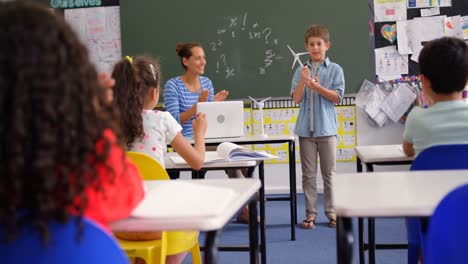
[(311, 246)]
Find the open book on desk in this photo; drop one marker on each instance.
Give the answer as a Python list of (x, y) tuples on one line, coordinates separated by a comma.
[(228, 151)]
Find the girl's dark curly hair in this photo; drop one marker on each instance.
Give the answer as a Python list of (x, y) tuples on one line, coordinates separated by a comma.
[(134, 79), (52, 114)]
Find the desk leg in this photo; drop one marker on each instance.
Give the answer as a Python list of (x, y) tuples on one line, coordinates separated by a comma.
[(360, 221), (253, 231), (262, 213), (211, 248), (344, 240), (371, 226), (358, 165), (371, 234), (292, 187), (361, 240), (198, 174)]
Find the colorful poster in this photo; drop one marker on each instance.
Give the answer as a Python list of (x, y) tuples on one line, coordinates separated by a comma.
[(99, 29), (428, 3), (280, 119), (389, 10)]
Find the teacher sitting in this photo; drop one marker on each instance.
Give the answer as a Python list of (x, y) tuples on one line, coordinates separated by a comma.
[(182, 93)]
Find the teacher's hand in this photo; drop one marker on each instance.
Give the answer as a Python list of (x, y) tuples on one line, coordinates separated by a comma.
[(204, 94), (221, 96)]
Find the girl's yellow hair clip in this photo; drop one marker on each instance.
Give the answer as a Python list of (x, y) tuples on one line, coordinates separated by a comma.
[(129, 59)]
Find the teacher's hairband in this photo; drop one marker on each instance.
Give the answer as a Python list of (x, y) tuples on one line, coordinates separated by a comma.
[(129, 59)]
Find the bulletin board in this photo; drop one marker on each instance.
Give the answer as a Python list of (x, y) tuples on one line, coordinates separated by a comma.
[(386, 33), (280, 116)]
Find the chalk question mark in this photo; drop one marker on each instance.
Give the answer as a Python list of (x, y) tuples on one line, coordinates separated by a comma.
[(267, 35), (223, 58)]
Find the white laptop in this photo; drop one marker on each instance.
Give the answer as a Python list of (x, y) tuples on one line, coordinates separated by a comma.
[(224, 119)]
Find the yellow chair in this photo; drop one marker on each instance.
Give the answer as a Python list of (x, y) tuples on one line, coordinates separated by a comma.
[(173, 242)]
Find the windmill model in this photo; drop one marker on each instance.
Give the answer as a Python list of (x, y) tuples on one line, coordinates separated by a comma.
[(260, 105), (296, 57)]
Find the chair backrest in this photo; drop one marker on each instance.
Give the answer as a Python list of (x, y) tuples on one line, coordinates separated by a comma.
[(447, 238), (92, 246), (439, 157), (442, 157), (149, 168)]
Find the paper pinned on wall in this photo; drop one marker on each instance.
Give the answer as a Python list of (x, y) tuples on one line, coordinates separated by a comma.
[(403, 39), (428, 3), (425, 29), (99, 29), (412, 33), (389, 10), (453, 27), (396, 104), (373, 107), (430, 11), (464, 26), (389, 62)]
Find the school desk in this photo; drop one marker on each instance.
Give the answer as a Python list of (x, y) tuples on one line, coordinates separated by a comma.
[(273, 139), (211, 221), (250, 165), (387, 194), (370, 156)]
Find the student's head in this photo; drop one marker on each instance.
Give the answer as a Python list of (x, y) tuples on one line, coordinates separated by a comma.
[(317, 42), (192, 57), (136, 88), (444, 65), (51, 118)]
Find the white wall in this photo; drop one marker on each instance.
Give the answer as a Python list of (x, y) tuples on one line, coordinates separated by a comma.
[(277, 175)]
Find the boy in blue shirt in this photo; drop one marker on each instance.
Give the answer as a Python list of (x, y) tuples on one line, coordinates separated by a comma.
[(444, 73), (317, 86)]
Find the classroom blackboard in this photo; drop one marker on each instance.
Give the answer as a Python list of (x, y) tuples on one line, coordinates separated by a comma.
[(245, 41)]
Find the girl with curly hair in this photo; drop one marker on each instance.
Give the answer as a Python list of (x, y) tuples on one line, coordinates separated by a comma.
[(58, 149), (145, 130)]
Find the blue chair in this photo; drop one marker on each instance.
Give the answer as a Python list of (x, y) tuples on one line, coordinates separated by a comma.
[(441, 157), (91, 246), (447, 236)]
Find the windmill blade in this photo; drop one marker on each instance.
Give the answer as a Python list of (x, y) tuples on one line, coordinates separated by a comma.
[(292, 51), (264, 100), (253, 99), (294, 55), (299, 60)]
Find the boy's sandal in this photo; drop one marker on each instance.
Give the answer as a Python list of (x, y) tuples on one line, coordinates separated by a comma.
[(308, 223), (332, 223)]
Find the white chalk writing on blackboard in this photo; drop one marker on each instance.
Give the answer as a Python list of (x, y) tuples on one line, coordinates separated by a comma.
[(238, 27)]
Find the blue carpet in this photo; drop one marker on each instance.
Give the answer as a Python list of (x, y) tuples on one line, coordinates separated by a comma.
[(311, 246)]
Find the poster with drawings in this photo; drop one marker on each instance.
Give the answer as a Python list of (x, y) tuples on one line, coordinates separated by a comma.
[(282, 120), (99, 29)]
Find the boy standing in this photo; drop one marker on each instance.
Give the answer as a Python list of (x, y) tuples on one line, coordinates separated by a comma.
[(444, 73), (317, 86)]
